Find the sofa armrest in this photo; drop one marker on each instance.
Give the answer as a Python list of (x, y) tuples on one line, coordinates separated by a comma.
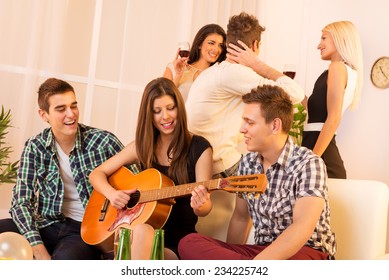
[(359, 217), (5, 200)]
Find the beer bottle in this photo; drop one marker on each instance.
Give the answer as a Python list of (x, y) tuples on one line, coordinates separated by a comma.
[(124, 245), (157, 251)]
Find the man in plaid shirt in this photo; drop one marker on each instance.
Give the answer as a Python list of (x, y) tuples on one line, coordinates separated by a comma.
[(52, 188), (291, 218)]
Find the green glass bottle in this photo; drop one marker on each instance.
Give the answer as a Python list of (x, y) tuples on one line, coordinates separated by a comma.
[(157, 251), (124, 245)]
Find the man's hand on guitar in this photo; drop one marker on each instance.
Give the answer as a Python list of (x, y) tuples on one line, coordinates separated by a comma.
[(153, 189), (120, 198), (200, 201)]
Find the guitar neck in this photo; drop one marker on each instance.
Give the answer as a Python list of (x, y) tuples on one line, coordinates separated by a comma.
[(176, 191)]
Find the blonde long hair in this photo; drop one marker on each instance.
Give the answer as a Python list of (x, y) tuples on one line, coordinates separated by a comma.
[(348, 44)]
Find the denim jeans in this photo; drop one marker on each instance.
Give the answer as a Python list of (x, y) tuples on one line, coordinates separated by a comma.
[(62, 240)]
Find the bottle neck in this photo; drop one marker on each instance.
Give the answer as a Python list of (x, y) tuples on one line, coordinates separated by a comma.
[(158, 249), (124, 245)]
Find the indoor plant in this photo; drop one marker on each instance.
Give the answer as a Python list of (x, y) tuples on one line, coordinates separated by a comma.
[(299, 117), (8, 170)]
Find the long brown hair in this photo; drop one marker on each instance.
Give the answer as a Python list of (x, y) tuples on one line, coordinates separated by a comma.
[(204, 31), (147, 134)]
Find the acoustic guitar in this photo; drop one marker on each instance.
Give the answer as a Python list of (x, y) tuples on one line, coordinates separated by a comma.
[(151, 203)]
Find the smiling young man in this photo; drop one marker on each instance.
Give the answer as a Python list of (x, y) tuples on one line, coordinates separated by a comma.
[(291, 218), (52, 187)]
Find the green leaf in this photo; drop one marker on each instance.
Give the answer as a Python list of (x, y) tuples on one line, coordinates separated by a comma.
[(8, 170), (299, 118)]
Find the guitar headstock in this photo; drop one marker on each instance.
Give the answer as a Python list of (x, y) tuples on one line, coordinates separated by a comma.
[(246, 183)]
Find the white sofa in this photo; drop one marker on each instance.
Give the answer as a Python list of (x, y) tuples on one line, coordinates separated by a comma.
[(359, 217), (5, 199)]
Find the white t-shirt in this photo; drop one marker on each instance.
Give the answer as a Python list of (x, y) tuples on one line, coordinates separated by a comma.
[(71, 205)]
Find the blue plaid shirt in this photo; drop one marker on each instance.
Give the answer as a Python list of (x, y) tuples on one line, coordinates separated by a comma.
[(297, 173), (39, 191)]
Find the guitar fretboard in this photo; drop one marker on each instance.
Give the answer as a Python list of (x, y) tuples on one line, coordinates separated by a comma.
[(176, 191)]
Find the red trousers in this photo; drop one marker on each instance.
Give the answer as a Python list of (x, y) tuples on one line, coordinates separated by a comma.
[(196, 246)]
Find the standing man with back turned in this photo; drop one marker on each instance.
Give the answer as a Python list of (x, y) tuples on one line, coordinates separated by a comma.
[(214, 105)]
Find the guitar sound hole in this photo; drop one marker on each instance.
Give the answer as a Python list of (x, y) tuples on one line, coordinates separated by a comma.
[(133, 200)]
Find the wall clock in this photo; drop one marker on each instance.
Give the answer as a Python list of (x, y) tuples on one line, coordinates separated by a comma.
[(380, 72)]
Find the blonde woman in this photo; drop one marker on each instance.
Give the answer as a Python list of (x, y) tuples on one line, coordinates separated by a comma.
[(336, 89)]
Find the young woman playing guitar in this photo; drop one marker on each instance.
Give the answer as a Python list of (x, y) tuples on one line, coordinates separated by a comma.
[(162, 142)]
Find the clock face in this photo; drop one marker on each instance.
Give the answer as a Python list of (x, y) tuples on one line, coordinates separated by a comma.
[(380, 73)]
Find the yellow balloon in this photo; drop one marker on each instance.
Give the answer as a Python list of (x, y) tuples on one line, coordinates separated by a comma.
[(14, 246)]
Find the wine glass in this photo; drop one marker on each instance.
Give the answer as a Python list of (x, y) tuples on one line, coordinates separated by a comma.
[(289, 70), (184, 47)]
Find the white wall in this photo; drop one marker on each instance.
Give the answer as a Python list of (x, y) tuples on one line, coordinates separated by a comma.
[(363, 134), (109, 50), (293, 34)]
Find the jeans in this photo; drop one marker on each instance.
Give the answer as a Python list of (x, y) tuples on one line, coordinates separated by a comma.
[(62, 240), (196, 246)]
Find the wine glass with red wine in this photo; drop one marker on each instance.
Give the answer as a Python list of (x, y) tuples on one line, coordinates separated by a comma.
[(289, 70), (184, 49)]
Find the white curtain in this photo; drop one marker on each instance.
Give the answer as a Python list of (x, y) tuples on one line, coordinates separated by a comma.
[(107, 49)]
